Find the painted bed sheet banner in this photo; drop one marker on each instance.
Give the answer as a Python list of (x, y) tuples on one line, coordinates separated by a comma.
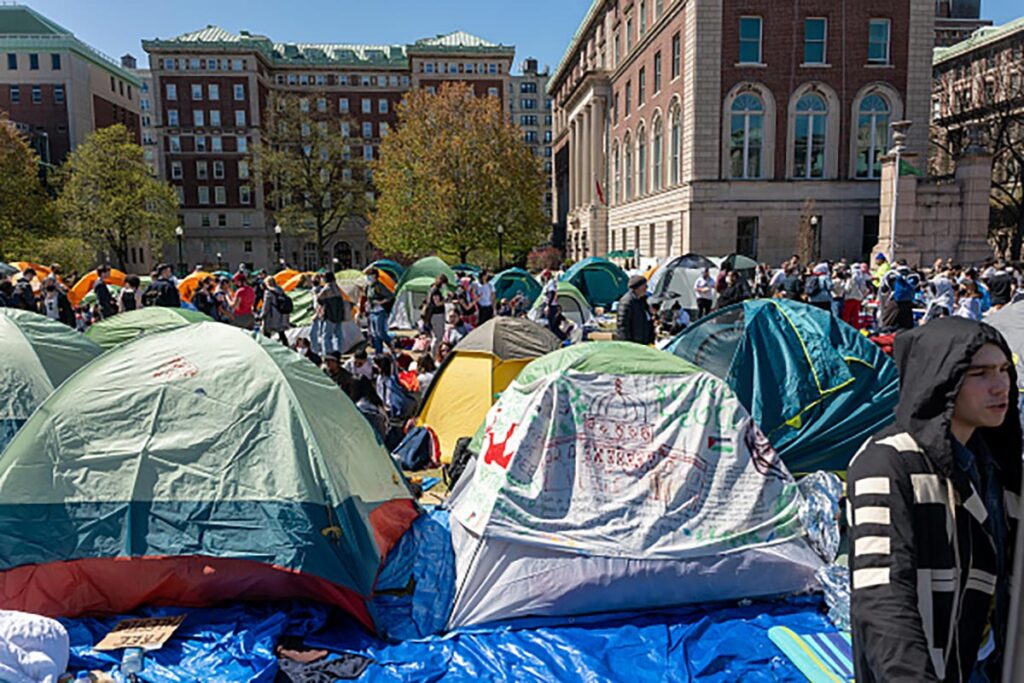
[(628, 466)]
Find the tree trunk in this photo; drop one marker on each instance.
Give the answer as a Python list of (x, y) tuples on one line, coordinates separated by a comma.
[(1018, 237), (463, 256)]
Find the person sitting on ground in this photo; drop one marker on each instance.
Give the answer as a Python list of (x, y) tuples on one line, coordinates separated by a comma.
[(359, 364), (933, 509), (276, 312), (370, 406), (456, 329), (443, 351), (100, 288), (519, 305), (554, 319), (130, 298), (338, 374), (504, 309), (633, 316), (304, 348), (162, 291), (426, 370)]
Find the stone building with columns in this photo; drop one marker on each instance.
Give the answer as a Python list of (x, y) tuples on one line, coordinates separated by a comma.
[(714, 126)]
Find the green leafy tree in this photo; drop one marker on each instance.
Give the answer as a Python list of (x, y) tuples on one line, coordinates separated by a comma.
[(109, 200), (26, 210), (317, 185), (454, 171)]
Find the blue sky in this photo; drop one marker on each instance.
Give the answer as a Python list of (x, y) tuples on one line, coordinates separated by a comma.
[(539, 28)]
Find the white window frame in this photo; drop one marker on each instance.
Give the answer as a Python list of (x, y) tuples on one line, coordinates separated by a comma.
[(760, 39), (213, 91), (220, 196), (197, 92), (823, 41), (240, 118), (888, 41)]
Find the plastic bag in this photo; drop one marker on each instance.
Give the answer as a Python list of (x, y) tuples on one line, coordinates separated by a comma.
[(835, 581), (819, 512)]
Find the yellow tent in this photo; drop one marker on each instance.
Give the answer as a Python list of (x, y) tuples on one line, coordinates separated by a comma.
[(474, 375)]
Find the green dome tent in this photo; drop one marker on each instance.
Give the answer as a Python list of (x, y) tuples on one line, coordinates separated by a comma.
[(514, 281), (574, 305), (124, 327), (194, 467), (602, 282), (38, 355), (409, 300), (392, 268), (430, 267)]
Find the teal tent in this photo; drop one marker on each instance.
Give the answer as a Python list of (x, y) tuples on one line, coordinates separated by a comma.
[(816, 387), (392, 268), (602, 282), (431, 267), (514, 281), (124, 327), (574, 305), (38, 355)]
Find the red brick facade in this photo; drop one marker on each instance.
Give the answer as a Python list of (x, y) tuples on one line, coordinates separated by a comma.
[(48, 116)]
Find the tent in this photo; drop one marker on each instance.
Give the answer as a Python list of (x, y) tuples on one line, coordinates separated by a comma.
[(602, 282), (190, 283), (7, 270), (392, 268), (38, 355), (84, 284), (285, 275), (357, 278), (514, 281), (408, 301), (297, 281), (1009, 320), (574, 305), (304, 306), (476, 372), (813, 384), (431, 267), (466, 269), (124, 327), (674, 280), (616, 477), (195, 467)]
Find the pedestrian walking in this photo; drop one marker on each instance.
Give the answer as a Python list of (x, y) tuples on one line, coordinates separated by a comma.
[(378, 300)]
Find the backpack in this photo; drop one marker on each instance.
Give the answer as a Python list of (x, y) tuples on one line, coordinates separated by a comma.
[(902, 290), (461, 458), (151, 297), (400, 402), (127, 300), (283, 304), (812, 286), (419, 450)]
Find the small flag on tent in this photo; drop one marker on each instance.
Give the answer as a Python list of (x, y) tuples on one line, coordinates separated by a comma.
[(720, 444)]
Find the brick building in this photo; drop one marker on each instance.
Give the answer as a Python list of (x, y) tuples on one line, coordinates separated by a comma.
[(720, 126), (58, 89), (530, 109), (211, 87), (956, 20)]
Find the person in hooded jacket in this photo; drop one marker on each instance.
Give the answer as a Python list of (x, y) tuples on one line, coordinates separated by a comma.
[(933, 508)]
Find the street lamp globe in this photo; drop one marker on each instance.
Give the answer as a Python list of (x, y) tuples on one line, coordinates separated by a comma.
[(277, 230), (179, 231)]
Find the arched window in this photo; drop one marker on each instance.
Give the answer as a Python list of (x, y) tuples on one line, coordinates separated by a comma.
[(872, 135), (628, 163), (809, 137), (677, 142), (746, 137), (641, 161), (617, 174), (343, 252), (657, 153)]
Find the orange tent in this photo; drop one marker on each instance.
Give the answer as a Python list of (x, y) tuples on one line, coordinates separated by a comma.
[(41, 271), (386, 280), (293, 282), (188, 286), (84, 285), (285, 275)]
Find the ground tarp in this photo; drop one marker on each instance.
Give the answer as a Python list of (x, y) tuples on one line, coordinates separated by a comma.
[(192, 467), (614, 476), (815, 386)]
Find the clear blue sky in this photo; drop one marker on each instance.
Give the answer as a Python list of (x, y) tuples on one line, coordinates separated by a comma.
[(539, 28)]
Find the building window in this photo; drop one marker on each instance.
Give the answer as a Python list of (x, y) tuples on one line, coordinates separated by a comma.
[(204, 220), (33, 62), (815, 40), (343, 105), (641, 87), (616, 175), (12, 61), (215, 118), (321, 104), (676, 142), (657, 154), (240, 118), (55, 61), (750, 40), (629, 97), (15, 94), (219, 196), (246, 220), (677, 55), (175, 143), (641, 161), (218, 170), (244, 195), (58, 94), (809, 142), (243, 144), (204, 194), (345, 129), (37, 94), (617, 50), (222, 222), (643, 17), (198, 118), (172, 91), (200, 143), (367, 105), (367, 129), (216, 143), (657, 72), (172, 117), (872, 135), (629, 35), (368, 152), (197, 91), (746, 236), (628, 163), (176, 170), (869, 236), (878, 41), (243, 169), (214, 91), (382, 106), (746, 137), (202, 172)]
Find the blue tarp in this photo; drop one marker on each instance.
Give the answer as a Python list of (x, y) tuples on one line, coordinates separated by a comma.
[(816, 387), (234, 644)]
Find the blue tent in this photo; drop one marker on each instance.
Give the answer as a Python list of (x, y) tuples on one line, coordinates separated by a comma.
[(514, 281), (392, 268), (602, 282), (816, 387)]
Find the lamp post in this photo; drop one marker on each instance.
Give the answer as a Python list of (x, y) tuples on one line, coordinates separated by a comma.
[(220, 261), (501, 253), (814, 238), (179, 232), (277, 242)]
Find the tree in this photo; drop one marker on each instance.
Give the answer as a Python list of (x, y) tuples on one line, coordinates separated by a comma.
[(986, 109), (316, 184), (454, 170), (26, 210), (108, 198), (807, 237)]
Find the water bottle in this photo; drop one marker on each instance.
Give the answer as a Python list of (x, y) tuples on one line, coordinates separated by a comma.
[(132, 661)]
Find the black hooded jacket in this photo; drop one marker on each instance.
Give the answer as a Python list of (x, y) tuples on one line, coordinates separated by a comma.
[(926, 582)]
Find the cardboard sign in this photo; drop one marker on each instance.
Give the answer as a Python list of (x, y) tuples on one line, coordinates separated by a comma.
[(149, 634)]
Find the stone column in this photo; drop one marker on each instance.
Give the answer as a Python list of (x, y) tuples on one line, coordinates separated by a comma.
[(587, 170), (573, 147), (597, 150)]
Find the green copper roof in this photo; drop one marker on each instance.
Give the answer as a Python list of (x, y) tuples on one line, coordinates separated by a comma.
[(22, 28), (458, 41), (986, 35), (595, 5)]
